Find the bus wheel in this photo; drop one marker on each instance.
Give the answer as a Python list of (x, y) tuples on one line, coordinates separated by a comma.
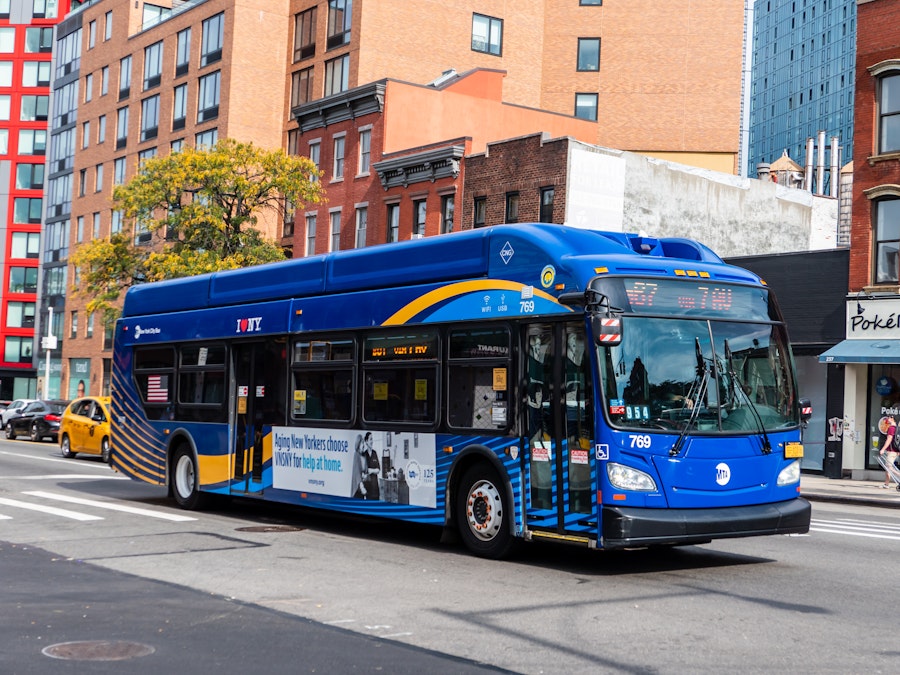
[(186, 479), (481, 512)]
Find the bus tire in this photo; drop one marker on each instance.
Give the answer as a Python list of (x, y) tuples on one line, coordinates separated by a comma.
[(481, 505), (186, 480)]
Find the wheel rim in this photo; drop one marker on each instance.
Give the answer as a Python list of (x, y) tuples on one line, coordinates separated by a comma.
[(184, 476), (104, 450), (65, 445), (34, 432), (484, 512)]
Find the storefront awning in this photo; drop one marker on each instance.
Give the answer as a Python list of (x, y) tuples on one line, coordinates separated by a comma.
[(863, 351)]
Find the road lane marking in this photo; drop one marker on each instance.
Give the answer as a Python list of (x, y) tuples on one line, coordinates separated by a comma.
[(68, 476), (854, 534), (74, 515), (110, 506), (98, 465)]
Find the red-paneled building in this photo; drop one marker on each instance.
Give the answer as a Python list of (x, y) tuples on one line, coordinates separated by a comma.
[(26, 44)]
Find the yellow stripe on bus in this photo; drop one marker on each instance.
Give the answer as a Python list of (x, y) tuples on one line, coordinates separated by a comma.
[(438, 295)]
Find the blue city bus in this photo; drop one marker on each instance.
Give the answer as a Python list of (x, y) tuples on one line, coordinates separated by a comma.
[(527, 381)]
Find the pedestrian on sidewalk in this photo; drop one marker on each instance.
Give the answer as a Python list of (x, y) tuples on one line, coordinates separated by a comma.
[(890, 447)]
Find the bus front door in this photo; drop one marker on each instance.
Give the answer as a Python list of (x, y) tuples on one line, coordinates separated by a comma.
[(259, 385), (557, 416)]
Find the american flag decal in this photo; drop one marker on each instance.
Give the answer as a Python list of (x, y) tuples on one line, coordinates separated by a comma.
[(610, 330), (157, 389)]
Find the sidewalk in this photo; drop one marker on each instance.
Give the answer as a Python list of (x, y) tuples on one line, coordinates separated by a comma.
[(868, 492)]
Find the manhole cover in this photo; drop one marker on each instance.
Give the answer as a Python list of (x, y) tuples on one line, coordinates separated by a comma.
[(271, 528), (97, 650)]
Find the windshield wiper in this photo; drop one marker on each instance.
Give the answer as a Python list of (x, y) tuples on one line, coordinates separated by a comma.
[(736, 387), (696, 395)]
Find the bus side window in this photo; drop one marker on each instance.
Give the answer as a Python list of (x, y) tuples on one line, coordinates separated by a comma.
[(322, 379), (478, 379), (154, 376)]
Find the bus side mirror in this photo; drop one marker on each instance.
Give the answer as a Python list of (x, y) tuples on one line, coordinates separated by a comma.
[(607, 330), (805, 409)]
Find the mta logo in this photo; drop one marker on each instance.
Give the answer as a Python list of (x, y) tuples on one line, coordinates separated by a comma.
[(249, 325)]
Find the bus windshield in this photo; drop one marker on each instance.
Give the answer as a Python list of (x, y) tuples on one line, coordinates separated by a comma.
[(714, 377)]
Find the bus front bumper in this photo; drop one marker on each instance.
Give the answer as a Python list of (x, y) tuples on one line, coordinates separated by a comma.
[(625, 527)]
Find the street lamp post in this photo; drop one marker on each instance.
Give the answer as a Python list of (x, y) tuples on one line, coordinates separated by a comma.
[(48, 343)]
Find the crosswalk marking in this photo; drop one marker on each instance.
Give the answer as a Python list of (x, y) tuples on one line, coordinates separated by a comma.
[(110, 506), (71, 476), (74, 515), (857, 528)]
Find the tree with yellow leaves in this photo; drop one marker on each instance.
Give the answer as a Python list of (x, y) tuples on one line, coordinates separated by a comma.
[(200, 208)]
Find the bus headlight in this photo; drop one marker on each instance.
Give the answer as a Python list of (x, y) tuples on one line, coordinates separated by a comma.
[(790, 473), (626, 478)]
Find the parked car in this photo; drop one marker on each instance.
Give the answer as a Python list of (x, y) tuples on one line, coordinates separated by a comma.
[(38, 419), (14, 408), (85, 427)]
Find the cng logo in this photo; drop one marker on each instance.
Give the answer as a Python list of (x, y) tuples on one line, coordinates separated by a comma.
[(249, 325), (723, 473)]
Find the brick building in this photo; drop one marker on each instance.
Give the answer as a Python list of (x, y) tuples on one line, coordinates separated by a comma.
[(869, 357), (389, 178)]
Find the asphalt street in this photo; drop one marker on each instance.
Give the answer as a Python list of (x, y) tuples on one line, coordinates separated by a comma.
[(105, 621)]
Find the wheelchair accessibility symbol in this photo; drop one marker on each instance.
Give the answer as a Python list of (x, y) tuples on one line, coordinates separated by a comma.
[(602, 451)]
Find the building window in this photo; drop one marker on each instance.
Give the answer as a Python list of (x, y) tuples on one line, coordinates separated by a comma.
[(487, 34), (26, 244), (23, 279), (153, 65), (339, 22), (310, 234), (101, 128), (104, 80), (44, 9), (34, 108), (314, 152), (586, 106), (149, 118), (85, 134), (211, 47), (98, 178), (547, 196), (301, 87), (393, 223), (305, 34), (177, 145), (337, 172), (183, 52), (18, 349), (337, 75), (887, 240), (119, 171), (447, 206), (208, 99), (590, 2), (512, 207), (365, 150), (92, 34), (82, 182), (29, 176), (419, 211), (206, 139), (95, 225), (5, 106), (588, 53), (121, 128), (124, 78), (480, 207), (6, 71), (179, 107), (36, 74), (20, 315), (27, 210), (88, 87), (889, 114), (32, 141), (8, 40), (107, 32), (38, 40), (89, 329), (335, 241), (362, 218), (73, 324), (115, 225)]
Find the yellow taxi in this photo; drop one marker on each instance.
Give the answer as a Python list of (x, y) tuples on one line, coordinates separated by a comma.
[(84, 427)]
